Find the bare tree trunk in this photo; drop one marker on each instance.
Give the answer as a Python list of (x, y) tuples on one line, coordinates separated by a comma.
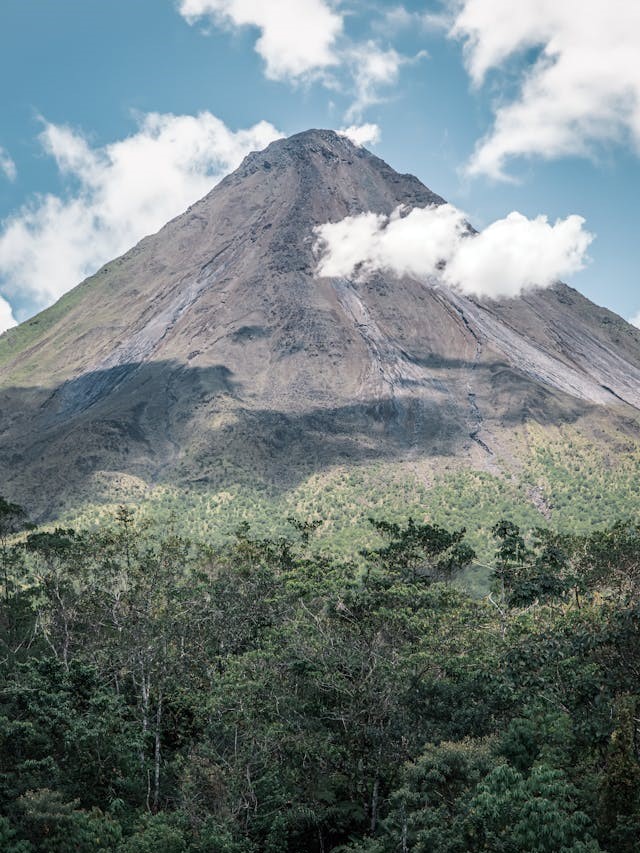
[(405, 830), (375, 794), (66, 642), (148, 790), (66, 633), (145, 688), (156, 756)]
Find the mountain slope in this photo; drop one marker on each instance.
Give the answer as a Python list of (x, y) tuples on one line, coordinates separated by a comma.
[(211, 353)]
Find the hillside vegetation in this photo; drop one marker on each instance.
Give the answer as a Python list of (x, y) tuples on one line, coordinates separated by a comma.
[(565, 482), (162, 694)]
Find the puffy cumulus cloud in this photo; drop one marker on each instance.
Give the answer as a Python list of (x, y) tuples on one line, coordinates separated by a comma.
[(298, 37), (517, 253), (407, 243), (635, 321), (117, 194), (7, 320), (7, 166), (582, 90), (362, 134), (435, 243)]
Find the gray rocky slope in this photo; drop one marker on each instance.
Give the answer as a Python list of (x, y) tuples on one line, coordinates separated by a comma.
[(212, 349)]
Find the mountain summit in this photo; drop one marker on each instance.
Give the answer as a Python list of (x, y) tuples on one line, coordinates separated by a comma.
[(211, 352)]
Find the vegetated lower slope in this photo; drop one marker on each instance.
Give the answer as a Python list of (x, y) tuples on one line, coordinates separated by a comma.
[(161, 695), (210, 364)]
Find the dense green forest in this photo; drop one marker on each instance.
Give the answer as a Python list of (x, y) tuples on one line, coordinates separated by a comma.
[(160, 695)]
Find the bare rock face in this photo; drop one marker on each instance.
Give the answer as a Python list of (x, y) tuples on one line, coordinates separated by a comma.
[(214, 340)]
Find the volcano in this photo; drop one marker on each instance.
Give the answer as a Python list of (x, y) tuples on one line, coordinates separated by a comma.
[(212, 353)]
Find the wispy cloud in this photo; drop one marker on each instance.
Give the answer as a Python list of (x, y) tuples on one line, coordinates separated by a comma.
[(304, 40), (116, 195), (399, 18), (7, 166), (582, 90), (435, 244), (373, 70)]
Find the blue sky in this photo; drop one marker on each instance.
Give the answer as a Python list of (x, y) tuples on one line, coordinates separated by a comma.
[(558, 106)]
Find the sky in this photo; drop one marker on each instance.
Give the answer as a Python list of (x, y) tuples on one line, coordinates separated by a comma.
[(117, 115)]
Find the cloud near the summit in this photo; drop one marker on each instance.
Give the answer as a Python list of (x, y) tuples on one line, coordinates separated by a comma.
[(582, 90), (116, 194), (362, 134), (435, 243)]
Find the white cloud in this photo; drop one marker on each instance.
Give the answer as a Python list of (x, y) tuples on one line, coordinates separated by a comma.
[(434, 243), (635, 321), (406, 243), (397, 18), (517, 253), (373, 69), (117, 194), (7, 166), (297, 36), (7, 320), (400, 18), (362, 134), (305, 39), (581, 91)]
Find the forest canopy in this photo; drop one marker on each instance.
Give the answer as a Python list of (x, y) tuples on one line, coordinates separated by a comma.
[(160, 694)]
